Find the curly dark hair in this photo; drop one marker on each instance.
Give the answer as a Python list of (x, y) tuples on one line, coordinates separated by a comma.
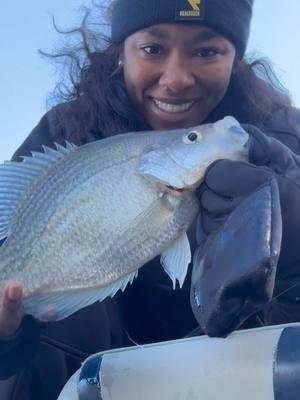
[(96, 96)]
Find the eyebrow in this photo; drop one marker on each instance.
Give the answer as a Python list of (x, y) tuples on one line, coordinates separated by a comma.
[(206, 34), (203, 35), (155, 31)]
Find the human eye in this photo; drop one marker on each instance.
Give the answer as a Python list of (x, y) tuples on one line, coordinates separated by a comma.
[(152, 49), (207, 52)]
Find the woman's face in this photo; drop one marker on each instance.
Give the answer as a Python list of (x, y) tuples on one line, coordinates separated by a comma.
[(177, 74)]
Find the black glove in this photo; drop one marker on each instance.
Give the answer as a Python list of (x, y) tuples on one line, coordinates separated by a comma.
[(227, 183), (228, 283)]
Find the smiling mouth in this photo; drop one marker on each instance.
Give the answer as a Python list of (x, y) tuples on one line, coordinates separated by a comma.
[(173, 108)]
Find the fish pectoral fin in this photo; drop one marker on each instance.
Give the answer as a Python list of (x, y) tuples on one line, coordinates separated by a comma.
[(176, 259), (59, 305)]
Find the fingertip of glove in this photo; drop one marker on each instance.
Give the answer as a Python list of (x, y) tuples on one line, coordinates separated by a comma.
[(219, 166)]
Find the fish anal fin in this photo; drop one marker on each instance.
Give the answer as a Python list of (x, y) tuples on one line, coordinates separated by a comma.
[(59, 305)]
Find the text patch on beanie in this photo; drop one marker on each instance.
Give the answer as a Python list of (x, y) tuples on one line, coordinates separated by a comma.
[(189, 10)]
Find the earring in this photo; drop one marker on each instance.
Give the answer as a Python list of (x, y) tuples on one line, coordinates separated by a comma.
[(120, 63)]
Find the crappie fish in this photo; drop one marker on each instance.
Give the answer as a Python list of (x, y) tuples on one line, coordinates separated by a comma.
[(80, 221)]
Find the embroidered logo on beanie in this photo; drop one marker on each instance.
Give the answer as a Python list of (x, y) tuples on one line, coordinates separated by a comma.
[(189, 10)]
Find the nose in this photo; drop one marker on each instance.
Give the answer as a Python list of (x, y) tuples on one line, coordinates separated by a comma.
[(177, 74)]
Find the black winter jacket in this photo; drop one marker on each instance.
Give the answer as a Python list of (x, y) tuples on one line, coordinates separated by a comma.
[(38, 361)]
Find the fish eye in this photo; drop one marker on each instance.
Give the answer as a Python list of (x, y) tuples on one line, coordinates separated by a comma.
[(192, 137)]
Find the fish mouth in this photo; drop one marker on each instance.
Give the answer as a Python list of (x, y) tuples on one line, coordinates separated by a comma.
[(188, 188), (174, 189)]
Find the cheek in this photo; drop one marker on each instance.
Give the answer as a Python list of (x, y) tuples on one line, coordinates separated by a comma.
[(134, 77), (131, 69), (218, 79)]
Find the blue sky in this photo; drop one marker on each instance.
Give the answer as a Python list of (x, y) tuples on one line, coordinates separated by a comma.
[(26, 79)]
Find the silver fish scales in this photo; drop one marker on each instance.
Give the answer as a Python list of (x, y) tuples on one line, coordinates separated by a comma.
[(80, 221)]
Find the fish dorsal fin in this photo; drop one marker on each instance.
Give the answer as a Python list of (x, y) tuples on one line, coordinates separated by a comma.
[(16, 177), (176, 259)]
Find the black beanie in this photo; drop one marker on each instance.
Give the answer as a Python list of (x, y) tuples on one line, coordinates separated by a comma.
[(230, 18)]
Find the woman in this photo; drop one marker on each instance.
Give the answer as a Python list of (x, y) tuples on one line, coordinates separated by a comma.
[(169, 64)]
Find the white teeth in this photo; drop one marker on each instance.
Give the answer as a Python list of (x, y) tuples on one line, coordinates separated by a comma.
[(173, 108)]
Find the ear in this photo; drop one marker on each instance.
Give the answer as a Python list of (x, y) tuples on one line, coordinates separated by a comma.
[(118, 60), (121, 57)]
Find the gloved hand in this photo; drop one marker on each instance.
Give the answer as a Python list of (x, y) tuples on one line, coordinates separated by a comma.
[(223, 292), (227, 183)]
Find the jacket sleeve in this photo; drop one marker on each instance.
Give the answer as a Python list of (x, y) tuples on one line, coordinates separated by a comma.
[(16, 351), (285, 305), (285, 128), (42, 135)]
